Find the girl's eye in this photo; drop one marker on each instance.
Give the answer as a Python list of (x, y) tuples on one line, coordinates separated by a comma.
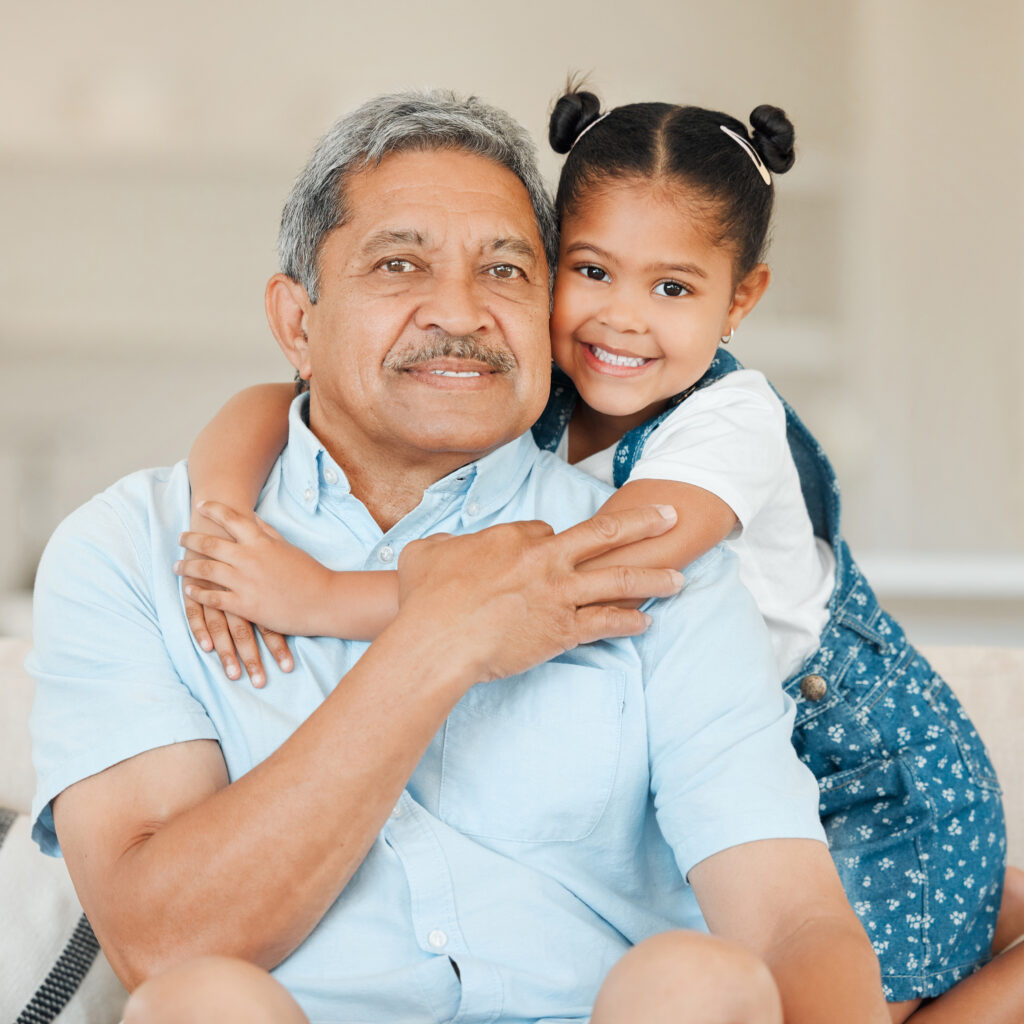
[(672, 289), (397, 266), (506, 272), (594, 273)]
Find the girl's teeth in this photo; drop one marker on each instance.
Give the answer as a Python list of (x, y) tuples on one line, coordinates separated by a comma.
[(614, 360), (455, 373)]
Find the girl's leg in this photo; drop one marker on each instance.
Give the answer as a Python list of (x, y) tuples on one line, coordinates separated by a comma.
[(993, 994), (213, 988), (688, 976), (1010, 925)]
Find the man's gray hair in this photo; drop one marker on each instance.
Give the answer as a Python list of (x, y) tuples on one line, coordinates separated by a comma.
[(433, 119)]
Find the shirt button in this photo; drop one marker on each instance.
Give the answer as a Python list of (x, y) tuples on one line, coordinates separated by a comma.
[(397, 812), (813, 687), (309, 494), (330, 476), (473, 508), (437, 939), (386, 554)]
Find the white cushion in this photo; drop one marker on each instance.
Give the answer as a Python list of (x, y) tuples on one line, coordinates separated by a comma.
[(17, 779), (51, 968)]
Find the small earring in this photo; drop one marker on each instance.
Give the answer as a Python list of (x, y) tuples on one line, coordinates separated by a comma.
[(725, 339)]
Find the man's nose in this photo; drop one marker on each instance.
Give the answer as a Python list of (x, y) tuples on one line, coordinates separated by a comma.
[(455, 303)]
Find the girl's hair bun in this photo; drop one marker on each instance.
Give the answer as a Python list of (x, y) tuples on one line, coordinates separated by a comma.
[(572, 113), (773, 137)]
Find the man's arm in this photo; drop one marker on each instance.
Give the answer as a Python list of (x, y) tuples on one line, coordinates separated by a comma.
[(172, 861), (782, 899)]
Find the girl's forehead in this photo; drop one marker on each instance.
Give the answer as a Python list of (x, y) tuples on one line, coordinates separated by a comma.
[(654, 207), (666, 197)]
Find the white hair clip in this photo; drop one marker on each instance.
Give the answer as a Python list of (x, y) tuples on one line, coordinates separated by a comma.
[(750, 151), (597, 120)]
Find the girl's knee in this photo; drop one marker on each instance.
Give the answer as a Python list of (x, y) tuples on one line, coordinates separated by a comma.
[(688, 976), (212, 988)]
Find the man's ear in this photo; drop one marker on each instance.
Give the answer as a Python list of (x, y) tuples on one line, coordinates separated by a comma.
[(747, 295), (287, 307)]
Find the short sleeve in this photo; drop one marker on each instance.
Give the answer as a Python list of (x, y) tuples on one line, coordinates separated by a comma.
[(723, 767), (728, 438), (106, 688)]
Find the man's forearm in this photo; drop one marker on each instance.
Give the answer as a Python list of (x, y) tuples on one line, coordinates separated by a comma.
[(827, 971), (251, 869), (186, 864)]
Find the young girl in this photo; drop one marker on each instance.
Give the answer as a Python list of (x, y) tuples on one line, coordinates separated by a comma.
[(664, 213)]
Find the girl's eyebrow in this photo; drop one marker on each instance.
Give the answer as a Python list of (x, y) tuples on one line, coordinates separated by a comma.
[(650, 268), (682, 268)]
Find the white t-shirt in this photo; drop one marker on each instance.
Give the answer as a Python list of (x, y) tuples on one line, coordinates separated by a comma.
[(730, 439)]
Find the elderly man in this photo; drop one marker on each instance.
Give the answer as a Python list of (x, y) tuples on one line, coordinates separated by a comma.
[(489, 818)]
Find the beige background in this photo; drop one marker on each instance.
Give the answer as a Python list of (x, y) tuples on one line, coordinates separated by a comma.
[(145, 150)]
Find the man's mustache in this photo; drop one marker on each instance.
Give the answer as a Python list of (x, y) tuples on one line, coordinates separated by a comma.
[(440, 346)]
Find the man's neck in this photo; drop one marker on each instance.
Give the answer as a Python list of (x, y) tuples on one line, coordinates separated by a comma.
[(389, 497), (389, 477), (392, 483)]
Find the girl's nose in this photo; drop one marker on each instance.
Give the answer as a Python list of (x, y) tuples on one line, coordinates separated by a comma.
[(621, 313)]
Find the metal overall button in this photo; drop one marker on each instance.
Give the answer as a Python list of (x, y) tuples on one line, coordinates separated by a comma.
[(813, 687)]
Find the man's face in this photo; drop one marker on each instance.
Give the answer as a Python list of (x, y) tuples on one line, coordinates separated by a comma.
[(430, 336)]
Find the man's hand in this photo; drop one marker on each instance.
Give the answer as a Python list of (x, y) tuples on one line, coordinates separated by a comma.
[(512, 596)]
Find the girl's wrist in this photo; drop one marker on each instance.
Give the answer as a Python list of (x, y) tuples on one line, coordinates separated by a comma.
[(323, 595)]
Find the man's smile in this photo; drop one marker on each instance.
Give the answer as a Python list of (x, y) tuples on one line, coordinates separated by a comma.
[(453, 373)]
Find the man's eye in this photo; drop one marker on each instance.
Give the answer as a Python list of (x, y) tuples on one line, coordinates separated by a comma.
[(506, 272), (594, 273), (672, 289), (397, 266)]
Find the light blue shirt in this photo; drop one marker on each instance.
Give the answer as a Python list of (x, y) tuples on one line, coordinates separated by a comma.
[(552, 820)]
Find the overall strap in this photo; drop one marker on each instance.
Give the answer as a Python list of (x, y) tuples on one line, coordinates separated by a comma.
[(554, 420), (630, 448)]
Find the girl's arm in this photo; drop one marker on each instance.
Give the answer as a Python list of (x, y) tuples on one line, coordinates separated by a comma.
[(703, 521), (235, 451), (262, 578), (266, 579), (230, 460), (249, 572)]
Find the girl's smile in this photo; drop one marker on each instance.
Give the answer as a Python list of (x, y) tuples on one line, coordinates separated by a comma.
[(643, 294)]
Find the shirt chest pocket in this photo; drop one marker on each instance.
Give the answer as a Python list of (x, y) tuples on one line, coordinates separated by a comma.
[(532, 758)]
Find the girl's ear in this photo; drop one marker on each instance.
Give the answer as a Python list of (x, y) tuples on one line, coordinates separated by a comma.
[(747, 295), (287, 307)]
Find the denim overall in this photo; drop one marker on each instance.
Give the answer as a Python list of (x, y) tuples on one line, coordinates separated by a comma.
[(909, 799)]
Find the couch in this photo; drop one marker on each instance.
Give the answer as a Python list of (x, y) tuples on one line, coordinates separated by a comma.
[(50, 966)]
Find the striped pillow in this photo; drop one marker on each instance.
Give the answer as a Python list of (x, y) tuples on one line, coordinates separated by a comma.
[(51, 967)]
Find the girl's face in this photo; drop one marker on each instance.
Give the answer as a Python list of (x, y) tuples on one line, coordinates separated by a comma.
[(642, 297)]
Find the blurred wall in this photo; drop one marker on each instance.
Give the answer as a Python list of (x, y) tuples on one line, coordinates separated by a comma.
[(145, 151)]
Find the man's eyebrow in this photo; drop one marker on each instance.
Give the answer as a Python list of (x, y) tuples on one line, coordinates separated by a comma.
[(514, 246), (682, 268), (388, 238)]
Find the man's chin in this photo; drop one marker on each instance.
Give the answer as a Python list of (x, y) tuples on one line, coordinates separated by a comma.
[(473, 441)]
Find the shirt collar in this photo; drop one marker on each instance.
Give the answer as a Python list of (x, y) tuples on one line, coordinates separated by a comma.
[(308, 470)]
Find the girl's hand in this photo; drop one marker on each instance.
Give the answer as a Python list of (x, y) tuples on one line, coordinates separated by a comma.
[(232, 637), (234, 640), (255, 574)]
